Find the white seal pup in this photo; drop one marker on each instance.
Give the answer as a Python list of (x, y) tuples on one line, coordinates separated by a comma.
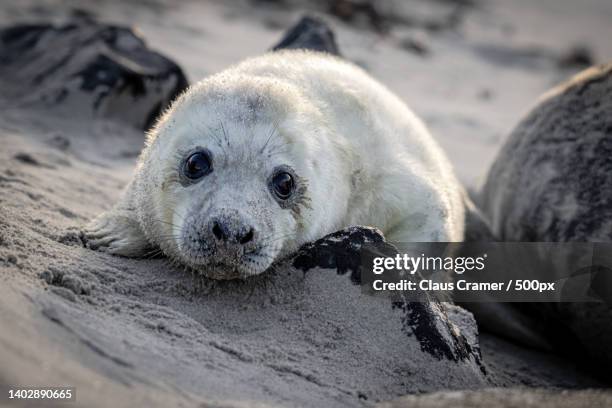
[(251, 163)]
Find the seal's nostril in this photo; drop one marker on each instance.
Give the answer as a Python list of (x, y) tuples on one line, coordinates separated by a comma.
[(246, 237), (226, 232), (219, 232)]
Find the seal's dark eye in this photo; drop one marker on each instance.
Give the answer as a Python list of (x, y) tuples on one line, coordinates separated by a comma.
[(282, 183), (197, 165)]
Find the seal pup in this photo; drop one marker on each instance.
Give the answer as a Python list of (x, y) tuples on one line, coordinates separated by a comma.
[(282, 149)]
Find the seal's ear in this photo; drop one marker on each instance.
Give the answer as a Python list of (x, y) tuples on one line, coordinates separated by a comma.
[(117, 232)]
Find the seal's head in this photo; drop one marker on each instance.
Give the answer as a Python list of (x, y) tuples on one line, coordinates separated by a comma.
[(237, 174)]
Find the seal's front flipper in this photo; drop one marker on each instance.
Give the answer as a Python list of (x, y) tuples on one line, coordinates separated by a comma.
[(117, 232)]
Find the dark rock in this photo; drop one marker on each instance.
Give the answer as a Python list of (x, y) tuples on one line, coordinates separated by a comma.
[(89, 69), (340, 250), (426, 319), (551, 183), (309, 33)]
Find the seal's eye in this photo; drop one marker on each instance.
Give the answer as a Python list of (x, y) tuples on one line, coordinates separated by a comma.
[(197, 165), (283, 185)]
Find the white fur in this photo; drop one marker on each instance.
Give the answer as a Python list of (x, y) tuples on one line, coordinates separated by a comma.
[(367, 159)]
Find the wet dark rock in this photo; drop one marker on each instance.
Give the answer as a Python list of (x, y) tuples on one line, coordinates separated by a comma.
[(428, 319), (340, 250), (309, 33), (88, 69)]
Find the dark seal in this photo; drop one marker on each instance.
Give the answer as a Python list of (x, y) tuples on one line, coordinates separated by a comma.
[(552, 181)]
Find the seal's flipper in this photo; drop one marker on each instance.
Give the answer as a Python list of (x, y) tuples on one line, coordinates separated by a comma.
[(117, 232)]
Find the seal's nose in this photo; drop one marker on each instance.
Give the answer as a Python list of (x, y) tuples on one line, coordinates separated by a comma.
[(219, 230), (245, 238), (222, 231)]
